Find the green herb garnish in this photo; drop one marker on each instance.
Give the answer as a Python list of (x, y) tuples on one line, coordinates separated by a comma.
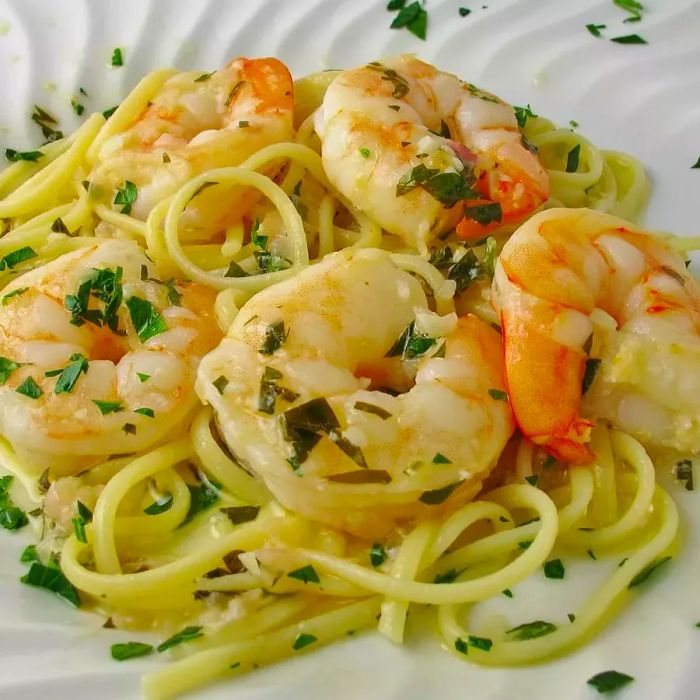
[(240, 514), (572, 159), (130, 650), (498, 395), (303, 640), (645, 573), (30, 389), (371, 408), (629, 39), (202, 497), (46, 122), (411, 344), (532, 630), (52, 579), (437, 496), (522, 114), (16, 257), (107, 407), (117, 57), (306, 574), (484, 214), (464, 11), (414, 18), (159, 506), (11, 517), (16, 156), (377, 555), (609, 681), (684, 472), (126, 196), (185, 635), (220, 384), (149, 412), (554, 569), (275, 335), (447, 188), (595, 29), (14, 293), (70, 373), (146, 320), (592, 367)]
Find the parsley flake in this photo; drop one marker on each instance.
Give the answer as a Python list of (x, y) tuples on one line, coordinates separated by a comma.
[(185, 635), (554, 569), (52, 579), (303, 640), (572, 159), (377, 555), (70, 373), (629, 39), (107, 407), (126, 196), (307, 574), (130, 650), (30, 389), (146, 320), (609, 681), (595, 29), (117, 57), (16, 257), (16, 156), (645, 573)]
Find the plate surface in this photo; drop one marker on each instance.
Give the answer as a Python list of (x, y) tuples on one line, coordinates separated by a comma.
[(640, 99)]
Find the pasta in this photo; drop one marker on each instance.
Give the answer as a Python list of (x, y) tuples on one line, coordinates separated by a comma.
[(184, 532)]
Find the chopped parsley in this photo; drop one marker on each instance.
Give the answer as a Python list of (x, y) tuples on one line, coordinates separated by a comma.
[(389, 74), (483, 643), (70, 373), (77, 107), (595, 29), (697, 164), (554, 569), (484, 214), (51, 578), (507, 592), (532, 480), (160, 505), (129, 428), (270, 390), (58, 226), (16, 257), (275, 335), (498, 395), (7, 367), (109, 112), (202, 497), (447, 188), (461, 646), (371, 408), (235, 270), (234, 91), (440, 458), (592, 367), (130, 650), (464, 11), (126, 196), (11, 517), (303, 640), (29, 156), (304, 425), (365, 152), (14, 293), (30, 389), (185, 635), (684, 472), (633, 7), (240, 514), (532, 630), (29, 554), (645, 573), (117, 57), (522, 114), (220, 384), (46, 122), (107, 407), (204, 77), (306, 574), (437, 496), (572, 159), (377, 555), (446, 576), (149, 412), (414, 18), (609, 681), (411, 344), (84, 516), (146, 320), (143, 377), (243, 124), (629, 39)]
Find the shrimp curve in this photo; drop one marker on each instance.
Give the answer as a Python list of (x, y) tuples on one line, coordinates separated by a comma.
[(554, 278), (98, 355), (408, 144), (291, 386)]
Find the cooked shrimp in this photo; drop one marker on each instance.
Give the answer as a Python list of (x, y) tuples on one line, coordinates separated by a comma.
[(98, 356), (291, 386), (195, 123), (556, 270), (407, 143)]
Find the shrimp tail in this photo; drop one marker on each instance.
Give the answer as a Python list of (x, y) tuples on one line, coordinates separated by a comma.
[(553, 371)]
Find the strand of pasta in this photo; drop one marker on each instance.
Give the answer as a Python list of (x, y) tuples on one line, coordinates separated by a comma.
[(40, 189), (293, 224), (444, 290), (591, 614), (209, 665), (17, 173)]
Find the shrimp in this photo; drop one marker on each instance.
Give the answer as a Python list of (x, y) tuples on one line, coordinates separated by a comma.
[(554, 279), (197, 122), (98, 355), (293, 393), (407, 143)]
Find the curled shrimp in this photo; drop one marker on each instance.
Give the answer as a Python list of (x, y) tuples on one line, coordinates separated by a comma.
[(407, 144), (554, 278), (196, 122), (98, 355), (299, 391)]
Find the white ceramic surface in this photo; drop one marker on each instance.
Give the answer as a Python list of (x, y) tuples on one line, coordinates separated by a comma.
[(641, 99)]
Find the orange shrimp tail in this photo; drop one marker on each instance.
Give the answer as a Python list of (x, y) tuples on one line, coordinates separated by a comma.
[(271, 82), (544, 385)]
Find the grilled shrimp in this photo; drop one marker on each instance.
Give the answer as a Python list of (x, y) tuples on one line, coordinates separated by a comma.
[(554, 279), (197, 122), (407, 143), (98, 356), (299, 390)]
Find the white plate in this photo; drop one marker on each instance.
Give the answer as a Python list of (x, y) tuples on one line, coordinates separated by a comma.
[(640, 99)]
